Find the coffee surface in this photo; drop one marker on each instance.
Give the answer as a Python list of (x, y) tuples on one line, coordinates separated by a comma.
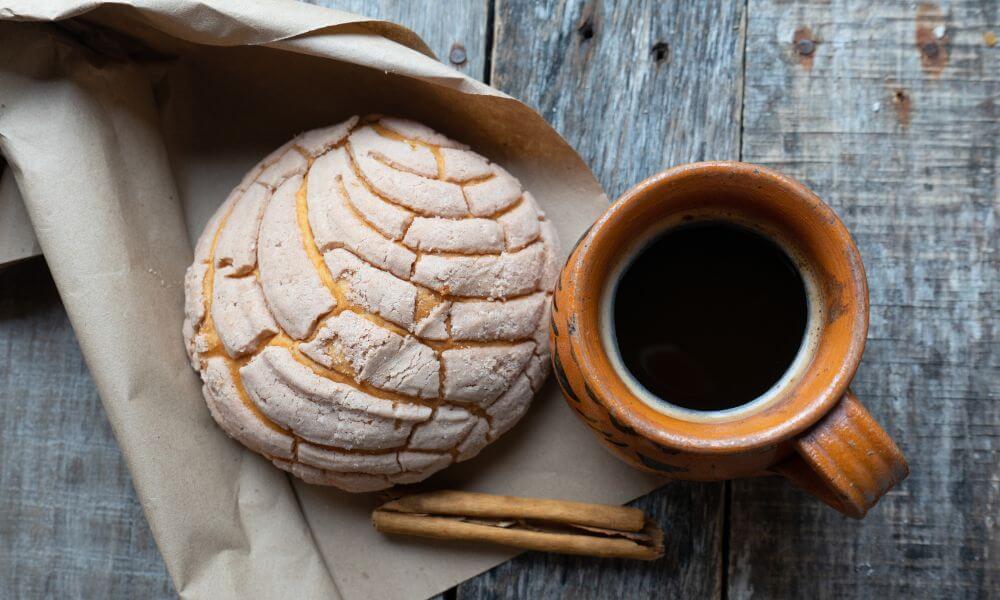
[(710, 316)]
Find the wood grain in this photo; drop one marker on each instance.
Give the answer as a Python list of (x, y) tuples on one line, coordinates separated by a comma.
[(456, 31), (635, 88), (888, 112), (69, 520)]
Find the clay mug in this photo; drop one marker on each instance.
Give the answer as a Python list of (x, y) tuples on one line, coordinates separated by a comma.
[(810, 428)]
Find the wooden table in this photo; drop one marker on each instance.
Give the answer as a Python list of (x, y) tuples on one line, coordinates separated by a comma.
[(888, 112)]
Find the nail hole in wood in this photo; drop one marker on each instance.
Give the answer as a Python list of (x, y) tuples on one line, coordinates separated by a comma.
[(660, 51), (457, 55), (585, 26)]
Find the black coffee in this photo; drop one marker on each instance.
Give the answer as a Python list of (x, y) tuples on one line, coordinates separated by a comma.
[(710, 316)]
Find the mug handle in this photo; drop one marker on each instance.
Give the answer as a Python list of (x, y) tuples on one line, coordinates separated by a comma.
[(846, 460)]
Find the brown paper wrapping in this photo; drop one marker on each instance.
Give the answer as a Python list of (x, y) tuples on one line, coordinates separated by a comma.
[(124, 125)]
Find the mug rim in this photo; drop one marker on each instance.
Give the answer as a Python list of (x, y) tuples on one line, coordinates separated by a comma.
[(823, 381)]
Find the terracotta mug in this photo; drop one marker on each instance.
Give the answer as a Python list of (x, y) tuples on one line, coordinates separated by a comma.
[(809, 427)]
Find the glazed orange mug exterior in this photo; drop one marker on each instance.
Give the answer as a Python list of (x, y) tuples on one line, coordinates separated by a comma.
[(809, 427)]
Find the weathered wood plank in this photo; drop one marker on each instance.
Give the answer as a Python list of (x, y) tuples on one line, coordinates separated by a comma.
[(455, 31), (635, 87), (691, 517), (69, 520), (888, 111)]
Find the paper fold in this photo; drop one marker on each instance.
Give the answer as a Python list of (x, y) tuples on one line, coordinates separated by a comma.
[(215, 23), (17, 238)]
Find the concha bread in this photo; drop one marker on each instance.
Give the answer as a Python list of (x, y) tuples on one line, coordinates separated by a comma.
[(369, 305)]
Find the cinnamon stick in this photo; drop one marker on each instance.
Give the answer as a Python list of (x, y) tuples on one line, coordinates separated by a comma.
[(529, 523)]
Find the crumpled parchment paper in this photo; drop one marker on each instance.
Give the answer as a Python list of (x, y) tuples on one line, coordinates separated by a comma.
[(124, 124)]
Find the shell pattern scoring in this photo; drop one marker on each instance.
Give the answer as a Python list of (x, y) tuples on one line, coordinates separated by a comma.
[(370, 304)]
